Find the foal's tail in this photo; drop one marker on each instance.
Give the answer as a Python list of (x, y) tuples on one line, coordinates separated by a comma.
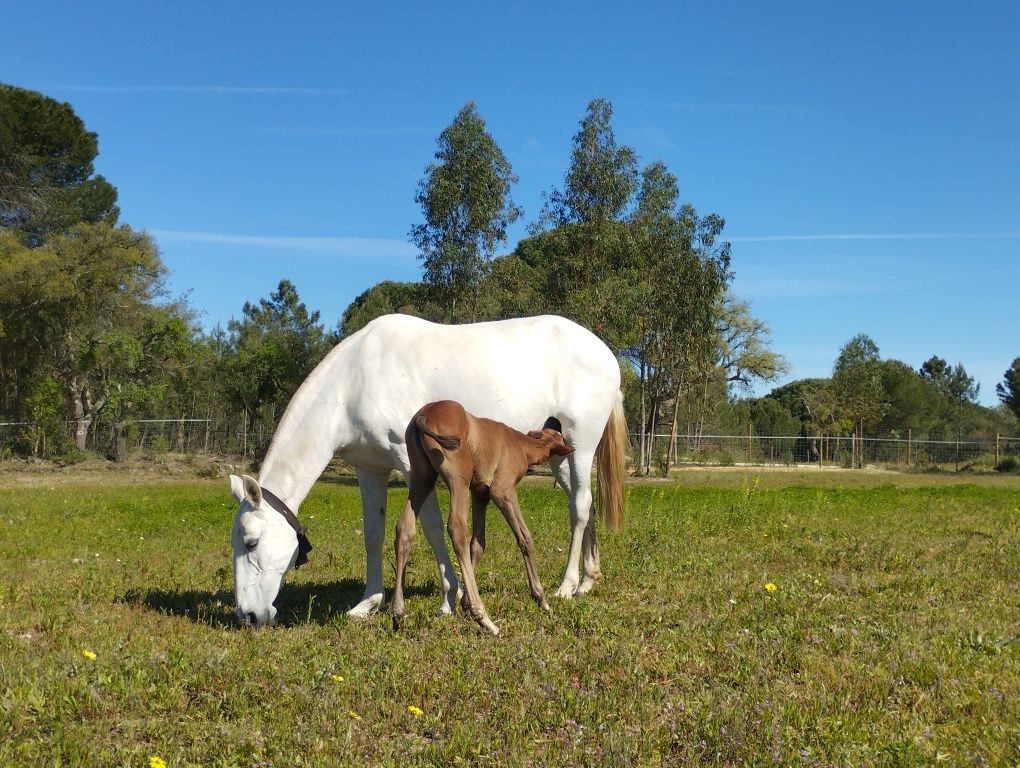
[(446, 441), (609, 463)]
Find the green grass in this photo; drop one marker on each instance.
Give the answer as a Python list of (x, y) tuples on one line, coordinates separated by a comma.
[(890, 639)]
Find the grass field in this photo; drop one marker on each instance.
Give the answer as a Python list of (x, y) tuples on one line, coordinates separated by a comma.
[(742, 618)]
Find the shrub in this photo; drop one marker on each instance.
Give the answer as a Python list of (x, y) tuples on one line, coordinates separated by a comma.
[(1008, 464)]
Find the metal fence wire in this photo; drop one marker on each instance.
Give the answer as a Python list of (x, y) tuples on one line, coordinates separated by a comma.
[(832, 450), (246, 438)]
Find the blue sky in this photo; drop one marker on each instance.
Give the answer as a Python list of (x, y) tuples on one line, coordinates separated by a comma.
[(866, 156)]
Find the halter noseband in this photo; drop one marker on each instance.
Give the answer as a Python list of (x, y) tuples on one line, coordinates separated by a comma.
[(304, 545)]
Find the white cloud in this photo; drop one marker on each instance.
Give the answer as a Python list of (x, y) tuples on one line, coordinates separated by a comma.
[(877, 236), (356, 247), (212, 89)]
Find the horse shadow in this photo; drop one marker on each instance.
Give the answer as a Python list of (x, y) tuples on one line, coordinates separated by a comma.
[(303, 603)]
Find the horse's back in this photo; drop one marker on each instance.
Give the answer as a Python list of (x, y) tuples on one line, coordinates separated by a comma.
[(517, 371)]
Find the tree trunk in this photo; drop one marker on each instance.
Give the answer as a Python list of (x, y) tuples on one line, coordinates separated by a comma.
[(120, 439), (82, 419)]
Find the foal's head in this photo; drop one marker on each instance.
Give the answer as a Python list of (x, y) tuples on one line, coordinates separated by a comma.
[(553, 440)]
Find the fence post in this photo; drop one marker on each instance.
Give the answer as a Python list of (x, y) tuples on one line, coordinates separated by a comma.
[(996, 449), (910, 434), (749, 428)]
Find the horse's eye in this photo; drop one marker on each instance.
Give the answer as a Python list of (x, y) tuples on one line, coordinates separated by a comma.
[(250, 545)]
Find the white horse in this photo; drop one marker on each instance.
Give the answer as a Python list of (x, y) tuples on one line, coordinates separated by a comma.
[(357, 403)]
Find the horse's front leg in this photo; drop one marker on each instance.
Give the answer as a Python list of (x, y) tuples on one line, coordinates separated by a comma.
[(373, 513)]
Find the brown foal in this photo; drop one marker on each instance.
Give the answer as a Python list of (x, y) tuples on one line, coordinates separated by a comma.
[(481, 460)]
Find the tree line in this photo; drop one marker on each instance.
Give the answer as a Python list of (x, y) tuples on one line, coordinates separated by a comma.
[(88, 331)]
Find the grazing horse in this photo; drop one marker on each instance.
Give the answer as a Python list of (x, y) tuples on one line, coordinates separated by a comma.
[(479, 460), (357, 403)]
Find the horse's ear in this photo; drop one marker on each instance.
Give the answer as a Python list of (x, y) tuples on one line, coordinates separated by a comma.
[(237, 488), (247, 488)]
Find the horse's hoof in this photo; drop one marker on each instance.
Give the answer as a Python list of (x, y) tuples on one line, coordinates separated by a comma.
[(584, 587), (397, 621), (366, 607), (566, 591)]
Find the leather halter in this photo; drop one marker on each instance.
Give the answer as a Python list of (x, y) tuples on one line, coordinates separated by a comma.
[(304, 545)]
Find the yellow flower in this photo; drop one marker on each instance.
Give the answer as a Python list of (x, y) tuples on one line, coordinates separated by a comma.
[(337, 678), (770, 587), (155, 761), (414, 710), (88, 654), (353, 715)]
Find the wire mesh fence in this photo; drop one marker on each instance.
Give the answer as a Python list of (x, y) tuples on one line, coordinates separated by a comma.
[(831, 450), (242, 437)]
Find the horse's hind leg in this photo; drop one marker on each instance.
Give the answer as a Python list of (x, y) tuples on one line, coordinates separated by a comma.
[(404, 539), (580, 513), (589, 558)]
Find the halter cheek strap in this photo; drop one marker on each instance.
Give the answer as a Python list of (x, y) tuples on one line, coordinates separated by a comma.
[(304, 545)]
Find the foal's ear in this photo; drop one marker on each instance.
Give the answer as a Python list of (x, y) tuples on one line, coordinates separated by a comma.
[(247, 488), (562, 449)]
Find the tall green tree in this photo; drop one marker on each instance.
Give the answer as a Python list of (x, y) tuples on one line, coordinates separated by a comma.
[(679, 275), (1008, 390), (466, 205), (602, 177), (857, 382), (47, 177)]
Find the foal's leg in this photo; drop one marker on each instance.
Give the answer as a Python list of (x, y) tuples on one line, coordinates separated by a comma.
[(423, 475), (511, 509), (461, 537), (479, 503)]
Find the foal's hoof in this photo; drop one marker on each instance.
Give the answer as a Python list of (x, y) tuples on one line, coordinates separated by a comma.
[(489, 627), (397, 621)]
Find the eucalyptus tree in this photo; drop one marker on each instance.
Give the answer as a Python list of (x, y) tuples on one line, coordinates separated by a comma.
[(581, 249), (681, 271), (602, 178), (467, 208)]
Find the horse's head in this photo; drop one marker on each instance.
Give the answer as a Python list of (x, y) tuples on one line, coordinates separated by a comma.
[(265, 547)]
